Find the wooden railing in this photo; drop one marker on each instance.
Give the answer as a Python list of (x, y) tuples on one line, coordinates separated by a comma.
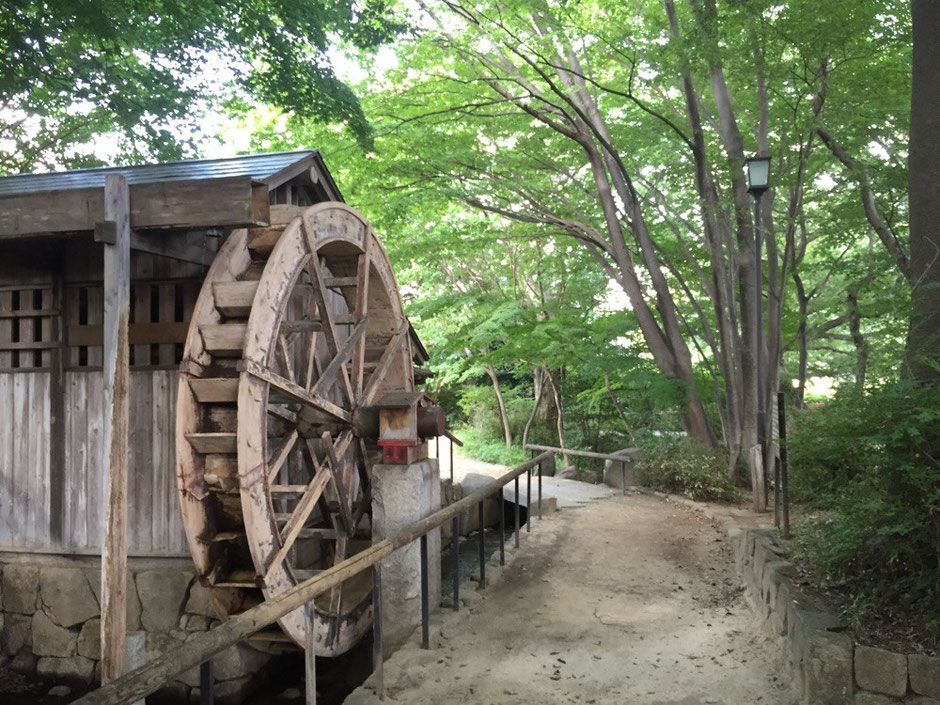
[(200, 648)]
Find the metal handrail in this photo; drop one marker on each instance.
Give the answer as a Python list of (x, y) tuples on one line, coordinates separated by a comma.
[(148, 678)]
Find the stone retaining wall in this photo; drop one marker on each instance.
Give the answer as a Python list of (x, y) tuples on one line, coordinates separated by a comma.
[(828, 666), (50, 622)]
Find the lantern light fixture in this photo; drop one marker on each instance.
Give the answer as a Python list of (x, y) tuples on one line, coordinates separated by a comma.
[(758, 174)]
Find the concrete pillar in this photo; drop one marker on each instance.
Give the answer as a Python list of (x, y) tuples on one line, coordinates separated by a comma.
[(401, 495)]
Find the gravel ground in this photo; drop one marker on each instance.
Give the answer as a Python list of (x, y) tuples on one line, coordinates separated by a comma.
[(627, 600)]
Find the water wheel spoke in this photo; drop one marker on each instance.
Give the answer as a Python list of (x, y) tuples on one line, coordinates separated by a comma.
[(283, 358), (326, 316), (279, 457), (338, 466), (336, 594), (362, 306), (391, 350), (327, 378), (296, 392), (282, 412), (298, 518), (312, 368)]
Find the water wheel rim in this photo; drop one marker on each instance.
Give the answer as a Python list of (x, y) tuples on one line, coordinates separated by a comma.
[(323, 229)]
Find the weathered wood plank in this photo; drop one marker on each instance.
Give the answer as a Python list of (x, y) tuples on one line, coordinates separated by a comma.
[(162, 467), (142, 265), (95, 317), (212, 442), (209, 390), (21, 467), (224, 339), (140, 335), (77, 460), (226, 202), (167, 310), (6, 327), (38, 430), (116, 354), (57, 419), (141, 465), (8, 528), (234, 298)]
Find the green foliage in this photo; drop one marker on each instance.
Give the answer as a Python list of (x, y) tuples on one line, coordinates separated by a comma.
[(141, 72), (872, 460), (483, 447), (673, 464)]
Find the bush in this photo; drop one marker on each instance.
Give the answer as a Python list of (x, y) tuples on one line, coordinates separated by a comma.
[(877, 470), (479, 447), (675, 465)]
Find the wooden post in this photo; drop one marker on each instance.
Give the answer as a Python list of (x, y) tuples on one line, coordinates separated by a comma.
[(116, 382), (310, 656), (57, 410)]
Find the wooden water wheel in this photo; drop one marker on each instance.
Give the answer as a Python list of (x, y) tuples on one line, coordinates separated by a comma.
[(295, 331)]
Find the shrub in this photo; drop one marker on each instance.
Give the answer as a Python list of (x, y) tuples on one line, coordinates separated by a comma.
[(676, 465), (489, 450), (878, 470)]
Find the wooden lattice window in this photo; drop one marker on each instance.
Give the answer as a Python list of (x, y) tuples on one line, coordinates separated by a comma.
[(159, 315), (27, 334)]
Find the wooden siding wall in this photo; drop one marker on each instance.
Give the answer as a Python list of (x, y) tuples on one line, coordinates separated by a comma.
[(155, 527), (164, 292)]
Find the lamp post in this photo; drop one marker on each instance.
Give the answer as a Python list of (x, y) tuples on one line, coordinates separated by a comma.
[(758, 181)]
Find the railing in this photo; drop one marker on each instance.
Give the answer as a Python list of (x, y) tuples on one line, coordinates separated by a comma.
[(627, 455), (199, 649)]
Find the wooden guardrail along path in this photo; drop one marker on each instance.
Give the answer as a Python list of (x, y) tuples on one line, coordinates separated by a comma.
[(149, 677)]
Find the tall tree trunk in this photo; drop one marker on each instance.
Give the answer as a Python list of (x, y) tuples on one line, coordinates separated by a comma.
[(803, 302), (561, 418), (538, 386), (923, 346), (861, 345), (503, 416)]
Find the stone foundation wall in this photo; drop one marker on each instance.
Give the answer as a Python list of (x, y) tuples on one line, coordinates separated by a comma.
[(50, 622), (827, 665)]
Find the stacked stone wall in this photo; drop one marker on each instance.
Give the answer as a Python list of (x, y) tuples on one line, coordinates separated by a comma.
[(50, 623), (828, 666)]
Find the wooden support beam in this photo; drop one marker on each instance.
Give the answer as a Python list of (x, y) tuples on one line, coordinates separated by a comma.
[(117, 262), (172, 245), (229, 202)]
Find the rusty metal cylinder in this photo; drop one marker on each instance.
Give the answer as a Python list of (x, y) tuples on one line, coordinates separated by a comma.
[(431, 422)]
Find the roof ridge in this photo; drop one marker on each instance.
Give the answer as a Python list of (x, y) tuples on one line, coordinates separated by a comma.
[(199, 160)]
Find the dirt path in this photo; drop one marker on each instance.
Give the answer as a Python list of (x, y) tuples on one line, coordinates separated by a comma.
[(628, 600)]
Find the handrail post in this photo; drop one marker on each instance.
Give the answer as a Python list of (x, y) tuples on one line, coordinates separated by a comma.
[(540, 491), (502, 527), (425, 598), (482, 539), (528, 500), (206, 694), (517, 511), (310, 656), (378, 657), (784, 464), (455, 549)]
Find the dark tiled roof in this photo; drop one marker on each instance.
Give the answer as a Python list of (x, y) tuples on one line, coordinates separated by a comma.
[(259, 167)]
